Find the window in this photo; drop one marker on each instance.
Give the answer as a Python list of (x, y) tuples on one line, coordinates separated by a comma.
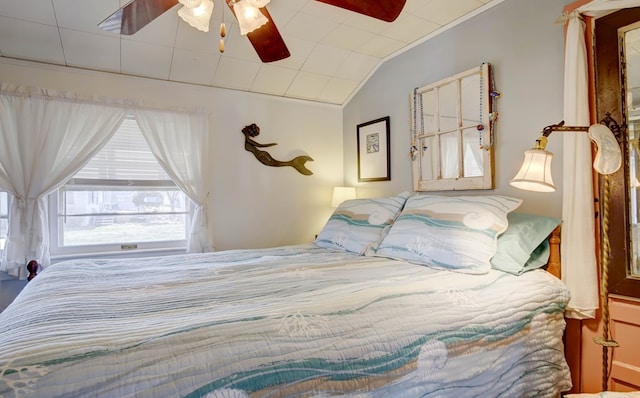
[(451, 128), (121, 200)]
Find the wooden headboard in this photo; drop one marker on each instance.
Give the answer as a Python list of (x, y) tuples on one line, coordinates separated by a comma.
[(553, 265)]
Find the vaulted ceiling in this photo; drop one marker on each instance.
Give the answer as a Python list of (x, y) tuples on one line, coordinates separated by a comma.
[(333, 51)]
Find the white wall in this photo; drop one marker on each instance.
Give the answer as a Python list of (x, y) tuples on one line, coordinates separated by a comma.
[(251, 205), (525, 47)]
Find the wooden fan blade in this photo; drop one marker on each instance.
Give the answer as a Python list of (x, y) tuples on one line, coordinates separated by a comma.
[(135, 15), (386, 10), (266, 40)]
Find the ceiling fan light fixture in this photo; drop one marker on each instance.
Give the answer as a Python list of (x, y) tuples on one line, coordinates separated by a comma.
[(191, 3), (199, 16), (249, 17), (258, 3)]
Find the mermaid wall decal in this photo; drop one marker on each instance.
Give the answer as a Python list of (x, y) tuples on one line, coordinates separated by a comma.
[(265, 158)]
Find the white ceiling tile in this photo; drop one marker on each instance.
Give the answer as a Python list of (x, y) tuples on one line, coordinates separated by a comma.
[(327, 12), (162, 30), (32, 41), (189, 38), (356, 67), (307, 85), (91, 51), (380, 47), (145, 59), (409, 29), (443, 12), (74, 14), (325, 59), (347, 37), (366, 23), (281, 13), (308, 27), (29, 10), (411, 6), (239, 46), (273, 79), (193, 67), (235, 73), (300, 51), (293, 5), (337, 90)]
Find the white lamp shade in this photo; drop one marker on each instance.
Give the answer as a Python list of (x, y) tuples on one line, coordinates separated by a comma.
[(249, 17), (340, 194), (535, 173), (199, 16)]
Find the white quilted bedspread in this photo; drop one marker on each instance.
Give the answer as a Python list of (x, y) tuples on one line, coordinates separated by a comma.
[(296, 321)]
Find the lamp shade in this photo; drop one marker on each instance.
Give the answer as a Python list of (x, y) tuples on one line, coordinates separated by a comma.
[(535, 173), (249, 17), (199, 16), (340, 194)]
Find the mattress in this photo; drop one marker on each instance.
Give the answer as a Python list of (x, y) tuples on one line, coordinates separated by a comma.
[(292, 321)]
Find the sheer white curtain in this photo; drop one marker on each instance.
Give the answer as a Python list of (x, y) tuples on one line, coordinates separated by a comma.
[(45, 138), (578, 248), (450, 155), (477, 152), (180, 142)]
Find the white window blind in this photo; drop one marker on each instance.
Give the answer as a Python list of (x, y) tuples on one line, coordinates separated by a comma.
[(125, 157)]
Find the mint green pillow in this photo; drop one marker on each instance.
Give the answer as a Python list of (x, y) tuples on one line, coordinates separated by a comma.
[(524, 245)]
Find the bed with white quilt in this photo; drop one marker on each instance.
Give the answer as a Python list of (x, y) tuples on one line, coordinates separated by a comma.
[(402, 296)]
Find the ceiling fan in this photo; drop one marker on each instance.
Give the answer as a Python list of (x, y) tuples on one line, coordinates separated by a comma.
[(265, 37)]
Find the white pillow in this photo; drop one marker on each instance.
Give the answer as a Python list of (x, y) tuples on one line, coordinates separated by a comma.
[(360, 224), (453, 233)]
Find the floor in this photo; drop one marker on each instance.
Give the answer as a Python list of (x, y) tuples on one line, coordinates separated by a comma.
[(9, 289)]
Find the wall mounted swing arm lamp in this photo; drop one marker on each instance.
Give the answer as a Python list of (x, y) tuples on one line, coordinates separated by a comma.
[(535, 173)]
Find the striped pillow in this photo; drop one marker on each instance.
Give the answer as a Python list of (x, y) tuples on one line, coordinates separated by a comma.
[(453, 233), (358, 225)]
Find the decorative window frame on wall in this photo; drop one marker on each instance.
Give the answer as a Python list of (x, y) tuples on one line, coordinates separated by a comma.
[(432, 125)]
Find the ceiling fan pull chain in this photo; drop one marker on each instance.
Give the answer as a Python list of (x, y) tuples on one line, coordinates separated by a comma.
[(223, 33)]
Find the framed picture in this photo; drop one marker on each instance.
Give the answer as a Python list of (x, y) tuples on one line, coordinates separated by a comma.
[(374, 157)]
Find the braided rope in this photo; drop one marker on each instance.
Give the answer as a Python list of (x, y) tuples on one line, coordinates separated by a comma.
[(605, 253)]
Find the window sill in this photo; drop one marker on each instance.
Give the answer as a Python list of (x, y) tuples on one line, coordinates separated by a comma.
[(122, 254)]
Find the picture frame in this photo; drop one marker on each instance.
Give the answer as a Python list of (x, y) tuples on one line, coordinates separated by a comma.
[(374, 155)]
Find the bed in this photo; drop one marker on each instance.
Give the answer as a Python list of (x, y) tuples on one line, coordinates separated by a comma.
[(355, 313)]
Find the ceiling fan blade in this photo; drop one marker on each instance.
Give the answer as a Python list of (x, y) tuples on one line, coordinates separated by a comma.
[(135, 15), (266, 40), (386, 10)]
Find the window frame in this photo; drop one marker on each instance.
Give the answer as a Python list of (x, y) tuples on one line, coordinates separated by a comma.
[(57, 215), (610, 100), (431, 138)]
